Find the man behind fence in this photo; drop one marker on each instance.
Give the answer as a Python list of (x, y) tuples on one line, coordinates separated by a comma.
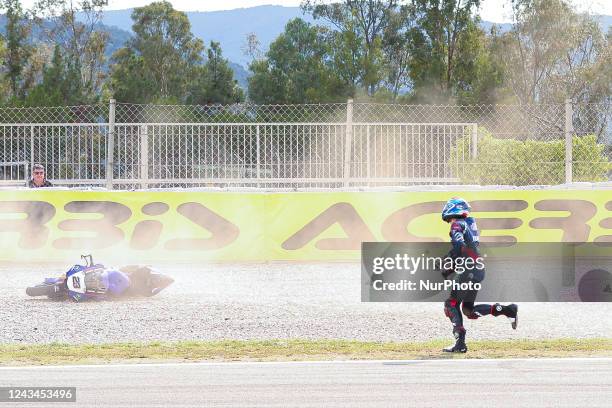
[(38, 177)]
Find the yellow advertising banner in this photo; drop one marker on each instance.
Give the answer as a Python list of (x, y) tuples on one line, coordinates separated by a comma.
[(59, 225)]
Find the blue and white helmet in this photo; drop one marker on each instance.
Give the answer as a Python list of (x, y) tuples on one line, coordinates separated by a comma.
[(456, 208)]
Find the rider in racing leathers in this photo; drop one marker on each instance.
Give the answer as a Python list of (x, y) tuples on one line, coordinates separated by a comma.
[(465, 241)]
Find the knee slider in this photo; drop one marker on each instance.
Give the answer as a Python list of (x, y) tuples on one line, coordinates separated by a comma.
[(468, 311)]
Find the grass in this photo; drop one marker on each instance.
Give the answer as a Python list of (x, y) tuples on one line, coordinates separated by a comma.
[(291, 350)]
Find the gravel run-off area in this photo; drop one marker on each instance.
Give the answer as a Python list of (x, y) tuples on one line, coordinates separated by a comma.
[(264, 301)]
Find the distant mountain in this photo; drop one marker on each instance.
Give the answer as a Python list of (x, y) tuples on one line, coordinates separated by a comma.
[(604, 21), (117, 37), (240, 74), (503, 27)]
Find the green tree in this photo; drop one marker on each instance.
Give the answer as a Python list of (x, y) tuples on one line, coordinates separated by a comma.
[(348, 57), (263, 86), (444, 28), (215, 84), (4, 85), (130, 82), (162, 61), (396, 51), (357, 43), (60, 85), (297, 69), (478, 76), (75, 28), (18, 49), (553, 53)]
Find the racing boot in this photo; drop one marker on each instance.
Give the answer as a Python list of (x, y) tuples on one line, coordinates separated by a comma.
[(510, 311), (459, 346)]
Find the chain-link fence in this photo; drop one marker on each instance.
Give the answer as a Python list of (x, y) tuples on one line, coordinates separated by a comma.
[(126, 146)]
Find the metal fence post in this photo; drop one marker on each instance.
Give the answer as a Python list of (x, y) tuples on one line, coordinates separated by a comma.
[(31, 147), (569, 114), (110, 145), (474, 140), (144, 157), (258, 154), (368, 154), (348, 142)]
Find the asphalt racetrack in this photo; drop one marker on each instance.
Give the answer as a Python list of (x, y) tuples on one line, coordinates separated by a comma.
[(264, 301), (432, 383)]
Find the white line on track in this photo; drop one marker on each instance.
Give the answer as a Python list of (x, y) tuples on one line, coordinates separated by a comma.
[(390, 362)]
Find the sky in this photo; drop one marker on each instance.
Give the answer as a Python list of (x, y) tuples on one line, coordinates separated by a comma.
[(496, 11)]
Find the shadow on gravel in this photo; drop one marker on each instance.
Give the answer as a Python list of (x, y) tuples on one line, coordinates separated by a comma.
[(93, 302), (43, 300)]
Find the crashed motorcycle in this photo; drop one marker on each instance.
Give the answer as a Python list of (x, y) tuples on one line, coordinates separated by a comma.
[(96, 282)]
